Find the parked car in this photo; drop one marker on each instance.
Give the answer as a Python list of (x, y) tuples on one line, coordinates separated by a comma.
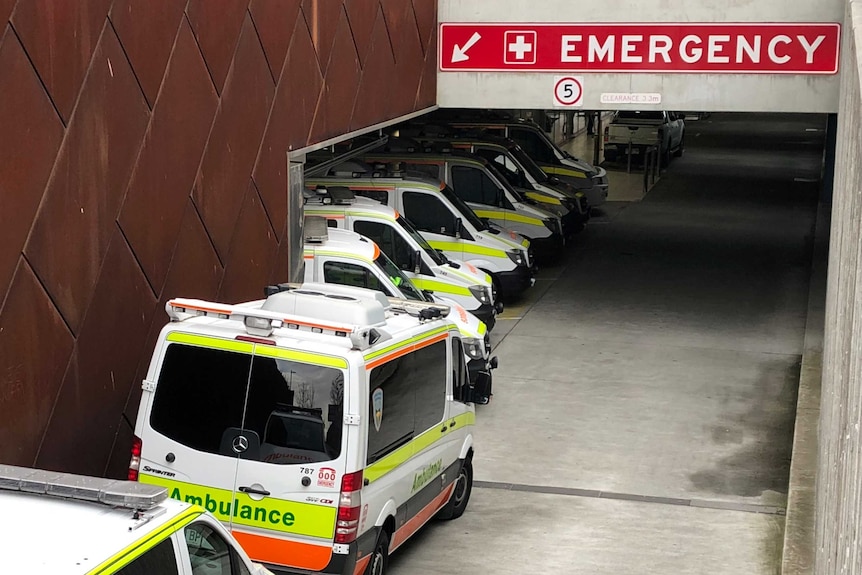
[(635, 131)]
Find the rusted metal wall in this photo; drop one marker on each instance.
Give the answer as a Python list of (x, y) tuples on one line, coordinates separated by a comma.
[(143, 156)]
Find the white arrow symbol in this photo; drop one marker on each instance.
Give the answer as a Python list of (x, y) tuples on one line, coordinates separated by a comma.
[(459, 54)]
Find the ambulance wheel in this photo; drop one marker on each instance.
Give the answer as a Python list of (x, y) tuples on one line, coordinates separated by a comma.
[(380, 558), (461, 494)]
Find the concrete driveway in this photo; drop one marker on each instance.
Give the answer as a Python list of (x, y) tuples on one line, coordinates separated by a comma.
[(643, 411)]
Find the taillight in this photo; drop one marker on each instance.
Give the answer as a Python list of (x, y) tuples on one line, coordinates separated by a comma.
[(607, 134), (135, 461), (349, 507)]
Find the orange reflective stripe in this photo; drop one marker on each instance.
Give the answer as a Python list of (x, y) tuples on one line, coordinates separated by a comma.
[(404, 351), (421, 518), (361, 564), (284, 552)]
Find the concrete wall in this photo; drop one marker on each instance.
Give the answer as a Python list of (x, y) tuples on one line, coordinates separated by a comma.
[(720, 92), (839, 480), (143, 156)]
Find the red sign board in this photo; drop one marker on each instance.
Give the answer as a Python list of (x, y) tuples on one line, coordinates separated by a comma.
[(777, 48)]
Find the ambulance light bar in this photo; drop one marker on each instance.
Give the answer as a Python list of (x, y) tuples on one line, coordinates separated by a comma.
[(316, 230), (127, 494), (278, 312)]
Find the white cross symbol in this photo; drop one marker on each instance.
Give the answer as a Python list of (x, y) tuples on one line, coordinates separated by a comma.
[(520, 47)]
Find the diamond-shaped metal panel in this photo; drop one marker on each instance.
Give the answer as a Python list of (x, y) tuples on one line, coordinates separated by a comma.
[(106, 360), (274, 21), (234, 140), (379, 70), (60, 38), (77, 216), (288, 125), (31, 135), (169, 160), (251, 255), (36, 347), (339, 89), (217, 26), (147, 29), (363, 18), (323, 18)]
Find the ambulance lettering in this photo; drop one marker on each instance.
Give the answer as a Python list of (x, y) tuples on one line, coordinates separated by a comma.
[(426, 475), (222, 509)]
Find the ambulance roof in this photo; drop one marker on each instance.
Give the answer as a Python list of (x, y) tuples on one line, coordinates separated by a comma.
[(357, 204), (346, 242), (47, 534)]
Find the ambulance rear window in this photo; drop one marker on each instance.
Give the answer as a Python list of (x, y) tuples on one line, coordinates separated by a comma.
[(292, 415)]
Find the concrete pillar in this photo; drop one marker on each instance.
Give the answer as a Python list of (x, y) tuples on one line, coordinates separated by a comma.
[(838, 515)]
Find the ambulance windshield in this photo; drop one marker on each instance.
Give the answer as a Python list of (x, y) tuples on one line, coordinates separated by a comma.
[(293, 410)]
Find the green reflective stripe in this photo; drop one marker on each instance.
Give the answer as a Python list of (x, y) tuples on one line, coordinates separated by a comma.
[(302, 356), (462, 275), (468, 248), (482, 328), (263, 350), (441, 287), (510, 216), (214, 342), (560, 171), (373, 215), (543, 198), (353, 256), (269, 514), (406, 343), (141, 546), (406, 452)]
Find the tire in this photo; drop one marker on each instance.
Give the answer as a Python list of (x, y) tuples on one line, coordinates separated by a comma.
[(461, 494), (665, 157), (380, 556), (679, 151)]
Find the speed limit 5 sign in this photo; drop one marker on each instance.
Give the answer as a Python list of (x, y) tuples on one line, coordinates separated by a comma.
[(568, 91)]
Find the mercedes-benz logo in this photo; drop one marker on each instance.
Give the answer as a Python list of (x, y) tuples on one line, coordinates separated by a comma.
[(240, 443)]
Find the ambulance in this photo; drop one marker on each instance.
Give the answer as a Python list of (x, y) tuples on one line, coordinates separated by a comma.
[(342, 257), (78, 525), (480, 186), (445, 221), (428, 269), (322, 429)]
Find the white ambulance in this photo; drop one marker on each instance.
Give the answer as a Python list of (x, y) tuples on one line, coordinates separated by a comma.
[(322, 429), (75, 525), (428, 268), (342, 257)]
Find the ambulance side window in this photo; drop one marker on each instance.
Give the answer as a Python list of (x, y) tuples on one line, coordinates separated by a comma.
[(533, 145), (210, 554), (160, 559), (392, 244), (381, 196), (408, 396), (432, 170), (474, 185), (428, 213), (342, 273)]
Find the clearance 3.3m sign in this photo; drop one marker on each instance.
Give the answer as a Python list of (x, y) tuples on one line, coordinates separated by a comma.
[(775, 48)]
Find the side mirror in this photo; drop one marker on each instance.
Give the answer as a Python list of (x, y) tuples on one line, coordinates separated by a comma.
[(480, 391), (459, 226), (417, 262)]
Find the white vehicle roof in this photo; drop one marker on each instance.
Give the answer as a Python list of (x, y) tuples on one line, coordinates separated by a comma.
[(50, 534)]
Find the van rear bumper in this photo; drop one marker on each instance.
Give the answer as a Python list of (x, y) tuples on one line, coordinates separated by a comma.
[(357, 554)]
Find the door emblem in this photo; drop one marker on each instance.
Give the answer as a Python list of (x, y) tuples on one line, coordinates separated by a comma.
[(240, 443), (377, 405)]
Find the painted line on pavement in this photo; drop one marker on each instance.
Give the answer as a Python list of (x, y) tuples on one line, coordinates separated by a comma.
[(595, 494)]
